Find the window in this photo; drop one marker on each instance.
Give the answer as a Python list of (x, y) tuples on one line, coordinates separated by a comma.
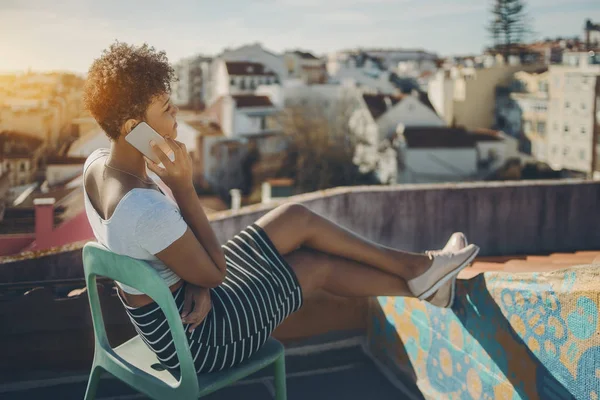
[(232, 82), (566, 151), (541, 127), (566, 129), (567, 104), (555, 127), (583, 130), (252, 84), (22, 167), (8, 166), (263, 123), (582, 154), (583, 106)]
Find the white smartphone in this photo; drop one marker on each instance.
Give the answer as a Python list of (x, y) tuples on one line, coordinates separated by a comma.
[(140, 138)]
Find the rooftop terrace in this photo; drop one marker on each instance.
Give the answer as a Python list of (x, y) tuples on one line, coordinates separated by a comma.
[(376, 348)]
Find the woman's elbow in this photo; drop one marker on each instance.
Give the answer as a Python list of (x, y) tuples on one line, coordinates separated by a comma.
[(218, 277)]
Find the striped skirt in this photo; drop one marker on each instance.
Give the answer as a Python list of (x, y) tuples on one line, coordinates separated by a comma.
[(259, 291)]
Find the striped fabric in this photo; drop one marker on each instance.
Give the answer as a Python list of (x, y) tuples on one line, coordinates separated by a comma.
[(258, 293)]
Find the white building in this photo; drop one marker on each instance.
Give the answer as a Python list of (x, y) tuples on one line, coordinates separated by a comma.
[(466, 96), (305, 67), (574, 115), (257, 54), (193, 75), (375, 122), (360, 70), (230, 78), (531, 95), (243, 115), (430, 155)]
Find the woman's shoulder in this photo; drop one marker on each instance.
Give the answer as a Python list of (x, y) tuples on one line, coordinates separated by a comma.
[(139, 201)]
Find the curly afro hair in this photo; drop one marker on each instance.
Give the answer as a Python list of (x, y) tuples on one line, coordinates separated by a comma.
[(122, 83)]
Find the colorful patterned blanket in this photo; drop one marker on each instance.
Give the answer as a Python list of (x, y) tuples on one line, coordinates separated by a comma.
[(508, 336)]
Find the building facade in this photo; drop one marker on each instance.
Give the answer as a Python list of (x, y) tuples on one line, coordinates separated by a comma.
[(574, 113), (530, 92), (230, 78), (191, 89)]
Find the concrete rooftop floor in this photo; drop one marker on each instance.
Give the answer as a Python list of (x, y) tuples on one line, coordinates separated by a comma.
[(336, 369)]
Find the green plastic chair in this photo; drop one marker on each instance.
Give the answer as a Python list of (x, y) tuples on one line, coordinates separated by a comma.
[(134, 363)]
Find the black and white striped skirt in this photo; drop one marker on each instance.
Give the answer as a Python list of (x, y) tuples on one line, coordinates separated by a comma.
[(258, 293)]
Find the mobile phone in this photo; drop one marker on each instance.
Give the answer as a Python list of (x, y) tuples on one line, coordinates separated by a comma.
[(140, 138)]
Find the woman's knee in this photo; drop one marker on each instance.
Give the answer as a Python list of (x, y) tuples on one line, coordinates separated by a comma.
[(296, 213)]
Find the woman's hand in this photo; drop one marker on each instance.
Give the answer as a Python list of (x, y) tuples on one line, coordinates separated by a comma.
[(176, 174), (200, 297)]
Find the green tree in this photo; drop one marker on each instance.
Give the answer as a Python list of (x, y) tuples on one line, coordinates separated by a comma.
[(509, 25)]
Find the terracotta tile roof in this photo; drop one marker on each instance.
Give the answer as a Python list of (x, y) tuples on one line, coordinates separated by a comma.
[(376, 103), (548, 263), (247, 68), (250, 100)]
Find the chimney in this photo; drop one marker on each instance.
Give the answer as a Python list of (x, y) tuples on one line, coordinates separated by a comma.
[(266, 193), (44, 218), (236, 199)]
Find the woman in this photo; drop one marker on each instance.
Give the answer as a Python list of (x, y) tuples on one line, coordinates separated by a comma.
[(231, 297)]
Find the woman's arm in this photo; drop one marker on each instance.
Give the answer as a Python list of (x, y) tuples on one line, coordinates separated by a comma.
[(195, 217), (177, 175)]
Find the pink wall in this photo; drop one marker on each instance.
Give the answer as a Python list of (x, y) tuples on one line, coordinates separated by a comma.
[(12, 244), (74, 230)]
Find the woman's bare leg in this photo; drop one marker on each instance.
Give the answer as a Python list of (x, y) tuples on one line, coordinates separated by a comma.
[(316, 271), (293, 225)]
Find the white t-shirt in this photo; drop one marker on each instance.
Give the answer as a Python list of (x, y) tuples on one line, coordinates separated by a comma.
[(144, 222)]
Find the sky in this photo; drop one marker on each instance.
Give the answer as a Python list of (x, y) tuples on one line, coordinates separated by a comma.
[(70, 34)]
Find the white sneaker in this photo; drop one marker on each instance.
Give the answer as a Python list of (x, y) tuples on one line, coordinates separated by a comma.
[(446, 265), (444, 297)]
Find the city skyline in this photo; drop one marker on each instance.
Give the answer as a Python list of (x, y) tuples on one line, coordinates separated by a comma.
[(68, 35)]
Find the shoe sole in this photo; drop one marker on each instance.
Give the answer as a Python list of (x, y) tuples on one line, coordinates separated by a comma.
[(449, 276), (452, 294), (453, 290)]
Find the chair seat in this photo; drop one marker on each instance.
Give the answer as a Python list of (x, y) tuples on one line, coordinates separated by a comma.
[(135, 352)]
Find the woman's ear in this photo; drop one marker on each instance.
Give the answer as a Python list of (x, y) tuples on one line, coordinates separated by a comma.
[(128, 126)]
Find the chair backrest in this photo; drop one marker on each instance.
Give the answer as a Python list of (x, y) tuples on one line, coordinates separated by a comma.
[(99, 261)]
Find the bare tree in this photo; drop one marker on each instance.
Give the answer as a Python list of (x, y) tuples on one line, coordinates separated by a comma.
[(509, 25), (322, 146)]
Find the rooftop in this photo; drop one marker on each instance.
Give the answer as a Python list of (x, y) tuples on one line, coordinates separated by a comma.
[(444, 137), (247, 68), (521, 227), (250, 100), (18, 144)]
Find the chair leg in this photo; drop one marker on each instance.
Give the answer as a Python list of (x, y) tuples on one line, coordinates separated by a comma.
[(280, 389), (90, 393)]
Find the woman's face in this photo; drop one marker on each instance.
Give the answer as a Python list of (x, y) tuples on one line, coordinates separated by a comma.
[(161, 114)]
